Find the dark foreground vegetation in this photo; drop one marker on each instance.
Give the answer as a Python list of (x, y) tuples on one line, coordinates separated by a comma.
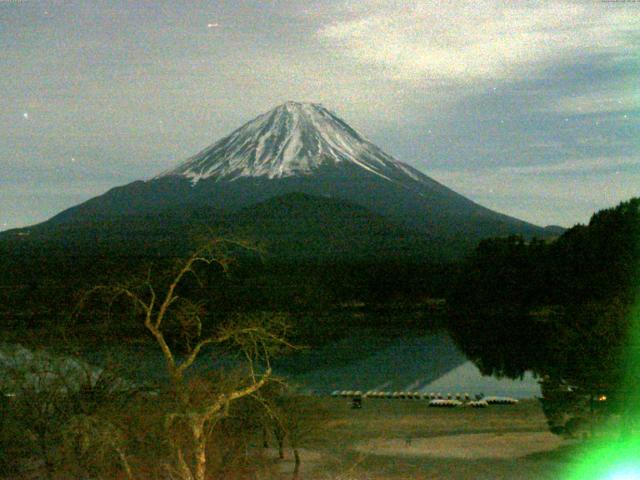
[(385, 440), (563, 309), (75, 421)]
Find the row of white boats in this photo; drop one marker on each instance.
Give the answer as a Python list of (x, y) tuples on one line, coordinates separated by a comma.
[(435, 399)]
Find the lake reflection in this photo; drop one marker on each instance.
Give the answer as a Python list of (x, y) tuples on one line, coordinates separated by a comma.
[(369, 361)]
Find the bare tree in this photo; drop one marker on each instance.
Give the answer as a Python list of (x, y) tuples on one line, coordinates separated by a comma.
[(47, 391), (95, 438), (254, 337), (38, 388), (296, 419)]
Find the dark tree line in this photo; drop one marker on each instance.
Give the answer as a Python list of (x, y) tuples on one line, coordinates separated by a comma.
[(40, 281), (562, 309)]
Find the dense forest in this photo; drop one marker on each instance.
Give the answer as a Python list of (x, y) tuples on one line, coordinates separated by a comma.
[(309, 253), (562, 309)]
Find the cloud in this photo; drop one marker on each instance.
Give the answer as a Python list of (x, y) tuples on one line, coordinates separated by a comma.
[(563, 193), (577, 166), (612, 101), (481, 40)]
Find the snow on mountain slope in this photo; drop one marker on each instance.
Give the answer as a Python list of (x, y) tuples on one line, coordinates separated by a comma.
[(292, 139)]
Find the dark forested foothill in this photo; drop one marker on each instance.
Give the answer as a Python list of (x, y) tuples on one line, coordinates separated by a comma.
[(317, 269), (562, 309)]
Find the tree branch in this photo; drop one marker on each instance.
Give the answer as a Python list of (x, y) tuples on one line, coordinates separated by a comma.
[(194, 354)]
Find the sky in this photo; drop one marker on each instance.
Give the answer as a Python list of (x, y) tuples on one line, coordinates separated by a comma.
[(529, 108)]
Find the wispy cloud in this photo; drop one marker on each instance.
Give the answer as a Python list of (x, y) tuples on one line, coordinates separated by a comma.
[(577, 166), (489, 39), (612, 101), (601, 166), (549, 193)]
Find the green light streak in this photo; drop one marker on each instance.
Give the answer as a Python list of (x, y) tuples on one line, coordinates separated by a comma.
[(612, 460), (615, 454)]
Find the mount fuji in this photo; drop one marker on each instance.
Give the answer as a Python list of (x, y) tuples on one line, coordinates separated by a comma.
[(294, 139), (302, 158)]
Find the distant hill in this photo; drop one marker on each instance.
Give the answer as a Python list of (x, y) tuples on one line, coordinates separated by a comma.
[(298, 225), (291, 226)]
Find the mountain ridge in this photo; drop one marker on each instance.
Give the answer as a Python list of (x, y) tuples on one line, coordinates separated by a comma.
[(298, 147)]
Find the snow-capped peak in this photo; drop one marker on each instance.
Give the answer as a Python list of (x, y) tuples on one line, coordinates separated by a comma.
[(292, 139)]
